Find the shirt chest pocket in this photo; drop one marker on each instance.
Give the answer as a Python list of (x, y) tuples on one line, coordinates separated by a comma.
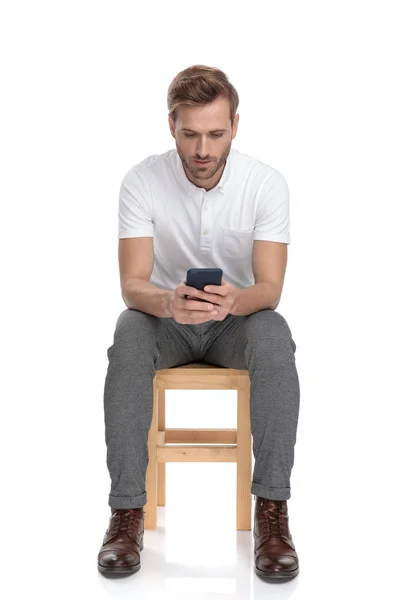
[(237, 243)]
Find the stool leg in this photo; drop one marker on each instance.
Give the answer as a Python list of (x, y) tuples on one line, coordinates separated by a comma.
[(243, 477), (161, 465), (150, 508)]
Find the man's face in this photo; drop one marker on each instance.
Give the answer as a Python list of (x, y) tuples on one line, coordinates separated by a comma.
[(204, 133)]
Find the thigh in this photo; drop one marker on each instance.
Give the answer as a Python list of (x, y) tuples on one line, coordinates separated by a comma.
[(224, 343), (175, 345), (141, 337), (263, 331)]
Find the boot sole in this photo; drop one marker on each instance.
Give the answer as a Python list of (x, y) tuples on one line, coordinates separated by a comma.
[(121, 570), (274, 576)]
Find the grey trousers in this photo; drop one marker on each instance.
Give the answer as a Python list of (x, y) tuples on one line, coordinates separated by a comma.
[(261, 342)]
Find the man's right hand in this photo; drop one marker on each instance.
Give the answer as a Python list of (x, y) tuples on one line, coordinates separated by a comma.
[(187, 311)]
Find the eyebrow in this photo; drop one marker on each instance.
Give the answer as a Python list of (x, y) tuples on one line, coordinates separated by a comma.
[(213, 131)]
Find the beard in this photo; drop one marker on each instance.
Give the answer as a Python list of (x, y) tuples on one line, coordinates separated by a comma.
[(207, 171)]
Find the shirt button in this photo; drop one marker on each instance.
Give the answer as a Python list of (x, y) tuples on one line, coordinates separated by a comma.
[(205, 232), (205, 208)]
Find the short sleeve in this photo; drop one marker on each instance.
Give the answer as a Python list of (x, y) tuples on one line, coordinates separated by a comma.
[(135, 207), (273, 211)]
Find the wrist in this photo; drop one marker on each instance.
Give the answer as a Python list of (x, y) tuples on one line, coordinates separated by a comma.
[(168, 304), (235, 302)]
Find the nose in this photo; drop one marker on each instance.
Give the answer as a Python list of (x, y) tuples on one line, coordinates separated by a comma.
[(201, 149)]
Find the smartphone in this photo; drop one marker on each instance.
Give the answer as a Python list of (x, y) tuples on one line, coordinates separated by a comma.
[(199, 278)]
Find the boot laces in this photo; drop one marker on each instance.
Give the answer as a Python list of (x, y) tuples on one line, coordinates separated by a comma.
[(125, 520), (273, 522)]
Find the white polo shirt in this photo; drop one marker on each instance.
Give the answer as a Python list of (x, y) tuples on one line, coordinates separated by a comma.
[(193, 227)]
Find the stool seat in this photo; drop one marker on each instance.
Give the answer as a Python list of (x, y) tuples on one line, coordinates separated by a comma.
[(206, 444)]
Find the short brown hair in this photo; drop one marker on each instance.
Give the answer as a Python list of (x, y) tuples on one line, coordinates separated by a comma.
[(200, 85)]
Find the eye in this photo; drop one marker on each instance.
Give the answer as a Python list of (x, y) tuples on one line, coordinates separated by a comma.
[(215, 135)]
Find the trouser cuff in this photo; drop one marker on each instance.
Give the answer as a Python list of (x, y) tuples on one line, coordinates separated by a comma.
[(127, 501), (272, 493)]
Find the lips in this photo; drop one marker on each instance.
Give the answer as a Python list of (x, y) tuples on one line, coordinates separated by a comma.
[(200, 162)]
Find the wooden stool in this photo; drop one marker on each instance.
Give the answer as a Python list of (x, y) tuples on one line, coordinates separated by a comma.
[(236, 443)]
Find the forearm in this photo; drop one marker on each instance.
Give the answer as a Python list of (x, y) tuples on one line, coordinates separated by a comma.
[(257, 297), (142, 295)]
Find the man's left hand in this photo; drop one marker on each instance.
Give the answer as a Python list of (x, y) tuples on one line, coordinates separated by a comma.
[(223, 296)]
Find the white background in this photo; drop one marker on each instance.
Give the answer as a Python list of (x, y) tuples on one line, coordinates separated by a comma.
[(84, 88)]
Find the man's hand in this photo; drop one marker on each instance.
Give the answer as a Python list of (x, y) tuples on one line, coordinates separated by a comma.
[(223, 295), (187, 311)]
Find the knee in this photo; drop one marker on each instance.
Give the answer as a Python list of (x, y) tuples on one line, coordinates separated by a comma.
[(269, 327), (130, 319), (134, 328), (269, 320)]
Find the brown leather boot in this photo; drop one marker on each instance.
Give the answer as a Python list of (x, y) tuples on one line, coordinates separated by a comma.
[(123, 540), (275, 554)]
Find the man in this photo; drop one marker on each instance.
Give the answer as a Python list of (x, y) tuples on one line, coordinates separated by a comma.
[(202, 205)]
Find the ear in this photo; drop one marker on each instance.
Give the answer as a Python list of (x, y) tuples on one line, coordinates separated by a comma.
[(171, 126), (235, 125)]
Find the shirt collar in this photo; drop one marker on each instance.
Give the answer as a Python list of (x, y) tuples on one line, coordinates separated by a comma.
[(188, 187)]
